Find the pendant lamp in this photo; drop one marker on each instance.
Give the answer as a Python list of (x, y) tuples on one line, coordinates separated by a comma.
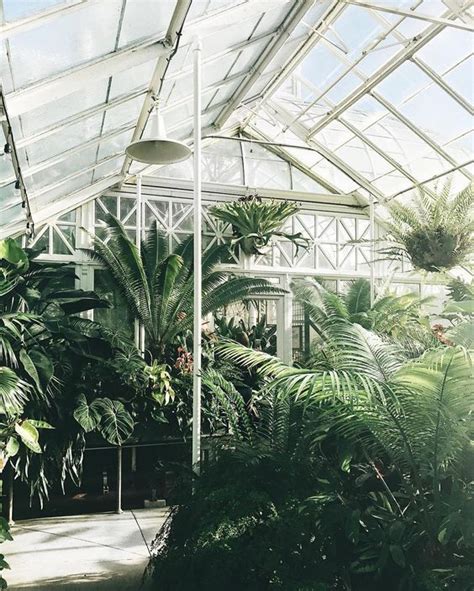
[(158, 149)]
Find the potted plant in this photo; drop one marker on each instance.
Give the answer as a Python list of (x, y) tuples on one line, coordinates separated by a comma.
[(255, 222), (435, 232)]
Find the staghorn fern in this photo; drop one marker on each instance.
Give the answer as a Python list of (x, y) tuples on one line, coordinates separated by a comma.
[(435, 233), (254, 222)]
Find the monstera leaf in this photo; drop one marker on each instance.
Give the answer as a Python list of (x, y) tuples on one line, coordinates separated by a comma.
[(116, 423), (88, 416), (109, 417)]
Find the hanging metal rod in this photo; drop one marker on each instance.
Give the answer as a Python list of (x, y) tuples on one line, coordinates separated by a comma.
[(433, 178), (262, 142), (411, 14)]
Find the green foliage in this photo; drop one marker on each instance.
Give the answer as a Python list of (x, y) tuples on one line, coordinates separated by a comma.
[(436, 232), (158, 285), (254, 222), (398, 317), (352, 476), (260, 336)]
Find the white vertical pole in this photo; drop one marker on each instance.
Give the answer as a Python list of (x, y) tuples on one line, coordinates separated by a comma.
[(372, 249), (138, 237), (196, 443)]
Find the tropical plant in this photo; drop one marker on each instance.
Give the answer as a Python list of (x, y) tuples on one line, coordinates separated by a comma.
[(158, 285), (435, 233), (349, 479), (255, 222), (259, 336), (413, 421), (398, 317), (48, 350)]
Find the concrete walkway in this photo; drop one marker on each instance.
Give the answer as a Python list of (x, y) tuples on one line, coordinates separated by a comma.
[(105, 552)]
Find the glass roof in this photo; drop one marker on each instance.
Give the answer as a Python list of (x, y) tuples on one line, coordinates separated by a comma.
[(379, 93)]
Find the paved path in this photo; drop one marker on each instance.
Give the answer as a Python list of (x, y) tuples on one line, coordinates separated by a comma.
[(104, 552)]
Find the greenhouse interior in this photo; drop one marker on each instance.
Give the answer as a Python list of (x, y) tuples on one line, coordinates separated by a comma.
[(236, 295)]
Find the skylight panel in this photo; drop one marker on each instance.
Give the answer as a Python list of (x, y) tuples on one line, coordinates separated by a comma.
[(68, 41)]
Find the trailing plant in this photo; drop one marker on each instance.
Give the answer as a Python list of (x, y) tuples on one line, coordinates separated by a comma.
[(435, 233), (255, 222), (158, 284)]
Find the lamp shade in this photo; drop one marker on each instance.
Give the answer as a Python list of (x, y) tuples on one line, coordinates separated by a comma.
[(158, 149)]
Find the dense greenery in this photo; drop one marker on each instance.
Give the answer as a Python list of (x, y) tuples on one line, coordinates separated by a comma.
[(254, 222), (158, 284), (436, 232), (354, 473)]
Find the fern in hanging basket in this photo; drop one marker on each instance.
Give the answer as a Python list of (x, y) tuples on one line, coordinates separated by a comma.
[(255, 222), (435, 233)]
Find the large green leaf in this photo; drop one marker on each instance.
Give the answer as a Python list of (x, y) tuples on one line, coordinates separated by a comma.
[(29, 435), (116, 423), (44, 366), (88, 416), (12, 391), (12, 253), (30, 368), (73, 301)]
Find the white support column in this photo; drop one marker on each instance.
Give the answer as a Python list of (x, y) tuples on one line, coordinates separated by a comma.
[(118, 508), (285, 324), (372, 249), (196, 437), (139, 329)]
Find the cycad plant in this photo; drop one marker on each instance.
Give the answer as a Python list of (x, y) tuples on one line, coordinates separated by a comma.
[(158, 286), (436, 232), (399, 317), (254, 222)]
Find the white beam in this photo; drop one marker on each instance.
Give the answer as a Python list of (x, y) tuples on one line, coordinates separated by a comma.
[(172, 39), (65, 83), (308, 42), (63, 205), (297, 12), (412, 14), (416, 130), (382, 73), (282, 115)]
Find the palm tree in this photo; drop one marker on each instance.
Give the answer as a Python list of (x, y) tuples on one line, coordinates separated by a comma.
[(157, 284)]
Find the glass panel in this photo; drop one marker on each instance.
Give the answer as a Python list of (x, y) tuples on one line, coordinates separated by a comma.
[(222, 163), (58, 45), (15, 10), (64, 139), (448, 48), (363, 159), (461, 79), (302, 182), (55, 111), (427, 115), (145, 18), (264, 169)]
